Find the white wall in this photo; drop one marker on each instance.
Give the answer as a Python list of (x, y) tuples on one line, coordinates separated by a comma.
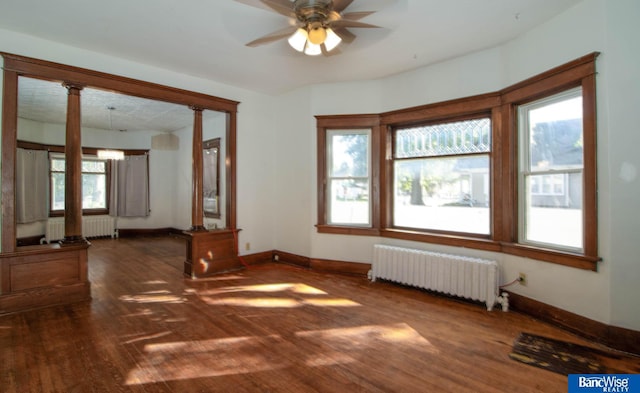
[(610, 295), (620, 159)]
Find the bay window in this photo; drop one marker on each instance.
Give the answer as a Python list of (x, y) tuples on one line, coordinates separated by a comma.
[(512, 171)]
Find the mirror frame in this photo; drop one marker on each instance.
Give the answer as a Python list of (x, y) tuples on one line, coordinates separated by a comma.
[(206, 145), (16, 65)]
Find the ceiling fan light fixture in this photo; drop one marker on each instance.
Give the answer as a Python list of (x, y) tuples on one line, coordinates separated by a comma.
[(312, 49), (299, 39), (332, 40), (317, 33)]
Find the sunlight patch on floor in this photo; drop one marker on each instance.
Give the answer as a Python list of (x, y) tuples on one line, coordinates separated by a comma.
[(281, 287), (183, 360), (278, 302), (363, 336), (147, 337), (153, 298), (208, 358), (225, 277)]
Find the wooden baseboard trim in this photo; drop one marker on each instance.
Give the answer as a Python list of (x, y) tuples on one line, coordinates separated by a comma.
[(340, 267), (291, 259), (611, 336), (29, 241), (147, 232), (257, 259)]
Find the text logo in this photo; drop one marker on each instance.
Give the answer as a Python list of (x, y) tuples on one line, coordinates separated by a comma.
[(604, 383)]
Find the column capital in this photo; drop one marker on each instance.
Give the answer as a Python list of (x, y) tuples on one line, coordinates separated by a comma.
[(72, 87)]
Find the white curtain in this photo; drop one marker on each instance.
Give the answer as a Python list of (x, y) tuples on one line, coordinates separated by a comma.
[(130, 187), (32, 185)]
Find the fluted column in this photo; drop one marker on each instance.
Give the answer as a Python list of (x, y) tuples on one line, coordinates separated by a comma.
[(73, 168), (197, 199)]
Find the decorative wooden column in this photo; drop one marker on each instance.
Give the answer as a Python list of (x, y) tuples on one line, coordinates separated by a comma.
[(73, 169), (197, 199), (208, 252)]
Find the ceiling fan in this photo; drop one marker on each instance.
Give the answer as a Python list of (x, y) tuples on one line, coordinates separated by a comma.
[(317, 27)]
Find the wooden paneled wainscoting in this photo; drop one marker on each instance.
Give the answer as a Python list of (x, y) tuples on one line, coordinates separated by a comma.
[(34, 277)]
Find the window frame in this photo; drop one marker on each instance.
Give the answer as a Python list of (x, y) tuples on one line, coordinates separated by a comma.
[(502, 106), (85, 212), (525, 170), (332, 177), (391, 222), (325, 124)]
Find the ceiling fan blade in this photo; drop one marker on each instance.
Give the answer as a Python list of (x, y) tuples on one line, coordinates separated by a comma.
[(276, 35), (357, 15), (340, 5), (351, 23), (282, 7), (335, 51), (345, 34)]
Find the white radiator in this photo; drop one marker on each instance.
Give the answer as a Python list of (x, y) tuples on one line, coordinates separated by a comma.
[(471, 278), (92, 226)]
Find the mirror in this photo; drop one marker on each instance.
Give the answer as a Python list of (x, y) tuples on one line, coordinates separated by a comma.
[(211, 177)]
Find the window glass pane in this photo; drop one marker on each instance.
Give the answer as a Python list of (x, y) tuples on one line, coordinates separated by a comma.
[(551, 175), (93, 166), (349, 201), (462, 137), (447, 194), (555, 217), (57, 191), (94, 191), (349, 155), (555, 135), (94, 184), (57, 164)]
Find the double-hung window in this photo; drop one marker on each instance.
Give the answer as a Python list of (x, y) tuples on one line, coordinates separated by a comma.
[(551, 163), (442, 177), (94, 184), (349, 177)]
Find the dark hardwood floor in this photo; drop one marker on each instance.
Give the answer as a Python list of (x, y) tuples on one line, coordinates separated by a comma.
[(271, 328)]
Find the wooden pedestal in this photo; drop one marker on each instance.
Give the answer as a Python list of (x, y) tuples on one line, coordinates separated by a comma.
[(211, 252)]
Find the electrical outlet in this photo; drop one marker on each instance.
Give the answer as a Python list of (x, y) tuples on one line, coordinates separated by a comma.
[(522, 278), (247, 246)]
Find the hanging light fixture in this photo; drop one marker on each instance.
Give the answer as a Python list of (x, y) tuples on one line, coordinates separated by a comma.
[(110, 154)]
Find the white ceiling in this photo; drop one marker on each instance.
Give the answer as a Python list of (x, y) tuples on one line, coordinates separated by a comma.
[(206, 38)]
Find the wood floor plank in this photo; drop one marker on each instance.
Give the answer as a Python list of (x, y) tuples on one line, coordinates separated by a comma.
[(270, 328)]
